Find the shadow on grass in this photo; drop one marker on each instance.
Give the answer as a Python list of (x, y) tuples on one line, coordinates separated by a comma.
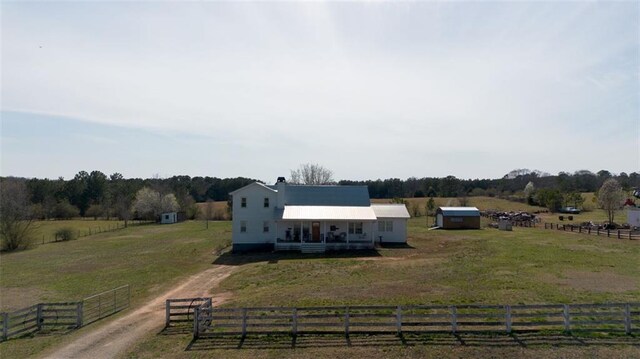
[(230, 258), (521, 340)]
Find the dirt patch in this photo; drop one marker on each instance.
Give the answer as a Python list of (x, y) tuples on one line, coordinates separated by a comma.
[(13, 298), (598, 281), (112, 339)]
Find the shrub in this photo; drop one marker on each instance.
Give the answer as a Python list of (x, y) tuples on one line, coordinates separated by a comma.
[(64, 234)]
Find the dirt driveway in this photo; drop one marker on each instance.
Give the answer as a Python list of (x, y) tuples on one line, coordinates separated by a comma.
[(112, 339)]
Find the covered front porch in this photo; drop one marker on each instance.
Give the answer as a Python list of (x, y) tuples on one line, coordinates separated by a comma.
[(316, 236)]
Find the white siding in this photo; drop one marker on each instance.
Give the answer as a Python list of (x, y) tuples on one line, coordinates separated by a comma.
[(633, 217), (255, 214), (398, 235)]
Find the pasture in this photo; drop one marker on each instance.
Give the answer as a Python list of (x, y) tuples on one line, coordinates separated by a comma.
[(526, 266), (151, 258)]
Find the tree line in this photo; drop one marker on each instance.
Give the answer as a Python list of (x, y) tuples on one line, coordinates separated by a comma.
[(510, 186), (94, 194)]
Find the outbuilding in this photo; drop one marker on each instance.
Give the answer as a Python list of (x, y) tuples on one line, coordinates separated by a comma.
[(169, 217), (458, 217)]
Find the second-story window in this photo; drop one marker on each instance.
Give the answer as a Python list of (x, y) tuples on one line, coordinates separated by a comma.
[(266, 202), (243, 202)]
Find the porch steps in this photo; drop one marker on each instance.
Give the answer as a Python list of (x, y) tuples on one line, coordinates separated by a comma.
[(312, 248)]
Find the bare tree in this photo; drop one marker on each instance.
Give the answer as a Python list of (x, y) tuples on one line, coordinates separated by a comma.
[(16, 228), (610, 197), (312, 174)]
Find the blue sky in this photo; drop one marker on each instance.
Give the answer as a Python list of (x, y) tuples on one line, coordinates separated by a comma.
[(370, 90)]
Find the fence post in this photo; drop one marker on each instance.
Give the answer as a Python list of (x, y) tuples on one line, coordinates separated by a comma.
[(399, 320), (566, 317), (79, 307), (608, 232), (598, 232), (5, 326), (618, 234), (196, 326), (167, 321), (294, 322), (508, 318), (627, 318), (346, 321), (580, 229), (39, 318), (589, 230), (454, 319), (244, 322)]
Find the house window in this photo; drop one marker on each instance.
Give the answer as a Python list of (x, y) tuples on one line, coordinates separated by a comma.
[(355, 227), (243, 226), (265, 227), (166, 216), (266, 202), (385, 226), (243, 202)]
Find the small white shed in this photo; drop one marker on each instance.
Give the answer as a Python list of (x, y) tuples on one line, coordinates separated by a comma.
[(169, 217)]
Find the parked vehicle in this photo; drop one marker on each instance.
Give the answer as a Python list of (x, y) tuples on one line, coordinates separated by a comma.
[(571, 210)]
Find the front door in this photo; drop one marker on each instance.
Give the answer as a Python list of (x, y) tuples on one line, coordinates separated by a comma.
[(315, 231)]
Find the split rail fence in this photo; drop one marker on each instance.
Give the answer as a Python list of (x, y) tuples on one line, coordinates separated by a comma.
[(63, 315), (210, 322), (615, 233)]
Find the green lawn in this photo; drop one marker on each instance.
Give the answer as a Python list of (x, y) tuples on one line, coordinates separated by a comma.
[(528, 265), (150, 258), (45, 230)]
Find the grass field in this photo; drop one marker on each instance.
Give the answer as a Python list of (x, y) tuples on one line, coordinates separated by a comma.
[(527, 265), (151, 258)]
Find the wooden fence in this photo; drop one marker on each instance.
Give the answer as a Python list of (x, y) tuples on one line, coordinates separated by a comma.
[(621, 317), (182, 310), (63, 315), (611, 233)]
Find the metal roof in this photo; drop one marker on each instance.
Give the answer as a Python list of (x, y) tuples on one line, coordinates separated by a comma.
[(326, 195), (328, 213), (390, 210), (253, 184), (459, 211)]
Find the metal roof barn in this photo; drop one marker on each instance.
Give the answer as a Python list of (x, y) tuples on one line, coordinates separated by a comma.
[(458, 217)]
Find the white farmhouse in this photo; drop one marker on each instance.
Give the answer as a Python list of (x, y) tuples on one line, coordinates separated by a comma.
[(313, 219)]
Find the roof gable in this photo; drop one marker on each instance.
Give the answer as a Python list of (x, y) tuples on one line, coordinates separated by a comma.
[(260, 185)]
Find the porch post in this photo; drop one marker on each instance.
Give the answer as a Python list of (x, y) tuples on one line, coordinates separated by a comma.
[(373, 238), (324, 232), (348, 233)]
